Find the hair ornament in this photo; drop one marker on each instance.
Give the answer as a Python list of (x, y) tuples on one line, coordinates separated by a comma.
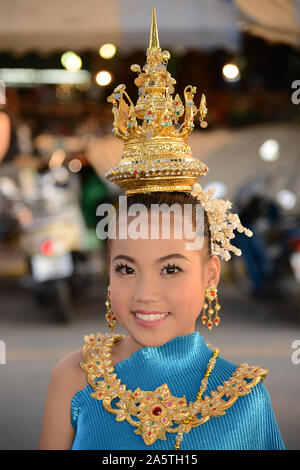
[(222, 223)]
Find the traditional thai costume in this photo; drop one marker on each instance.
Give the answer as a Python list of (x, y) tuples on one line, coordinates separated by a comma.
[(246, 423)]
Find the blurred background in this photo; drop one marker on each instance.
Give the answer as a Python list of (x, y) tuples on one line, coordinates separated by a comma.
[(59, 61)]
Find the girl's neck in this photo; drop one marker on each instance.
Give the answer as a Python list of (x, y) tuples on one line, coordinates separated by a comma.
[(123, 349)]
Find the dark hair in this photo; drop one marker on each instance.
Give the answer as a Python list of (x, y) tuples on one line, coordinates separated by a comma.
[(170, 198)]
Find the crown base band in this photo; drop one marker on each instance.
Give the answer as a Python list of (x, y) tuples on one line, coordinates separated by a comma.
[(144, 185)]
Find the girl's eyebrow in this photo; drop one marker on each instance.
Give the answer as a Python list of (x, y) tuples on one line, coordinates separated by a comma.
[(163, 258)]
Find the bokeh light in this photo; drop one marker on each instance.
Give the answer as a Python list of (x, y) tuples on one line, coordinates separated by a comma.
[(103, 78), (286, 199), (75, 165), (231, 72), (269, 150), (221, 188), (71, 61), (63, 91), (107, 51)]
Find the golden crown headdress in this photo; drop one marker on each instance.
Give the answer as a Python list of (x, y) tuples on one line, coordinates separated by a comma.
[(156, 156)]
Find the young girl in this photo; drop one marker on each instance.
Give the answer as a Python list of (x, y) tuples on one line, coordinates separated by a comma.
[(160, 386)]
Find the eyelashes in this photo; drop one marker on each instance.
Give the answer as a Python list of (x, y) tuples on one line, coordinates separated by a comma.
[(119, 267)]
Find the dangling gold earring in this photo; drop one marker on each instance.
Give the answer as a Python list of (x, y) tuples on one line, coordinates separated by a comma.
[(211, 295), (110, 317)]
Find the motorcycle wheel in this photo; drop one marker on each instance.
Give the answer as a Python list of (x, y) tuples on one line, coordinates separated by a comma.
[(63, 300)]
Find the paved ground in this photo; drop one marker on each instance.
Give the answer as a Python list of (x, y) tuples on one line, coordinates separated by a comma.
[(250, 331)]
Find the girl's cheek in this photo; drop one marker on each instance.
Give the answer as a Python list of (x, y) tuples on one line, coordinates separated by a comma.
[(117, 302), (120, 302)]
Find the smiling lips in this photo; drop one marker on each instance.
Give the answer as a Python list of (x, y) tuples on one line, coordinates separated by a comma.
[(150, 315)]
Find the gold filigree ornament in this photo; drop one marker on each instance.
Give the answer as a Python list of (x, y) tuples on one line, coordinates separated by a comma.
[(156, 156), (156, 412)]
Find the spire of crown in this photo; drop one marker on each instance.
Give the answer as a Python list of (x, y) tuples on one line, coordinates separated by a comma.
[(156, 156), (154, 40)]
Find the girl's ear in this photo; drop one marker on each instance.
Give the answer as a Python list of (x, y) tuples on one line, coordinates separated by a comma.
[(213, 269)]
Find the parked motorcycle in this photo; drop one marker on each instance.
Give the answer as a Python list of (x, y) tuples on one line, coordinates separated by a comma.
[(56, 242), (52, 234)]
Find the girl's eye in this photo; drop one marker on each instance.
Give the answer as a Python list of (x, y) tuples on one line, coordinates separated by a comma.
[(119, 268), (171, 267)]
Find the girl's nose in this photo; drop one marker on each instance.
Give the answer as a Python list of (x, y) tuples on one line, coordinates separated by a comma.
[(146, 292)]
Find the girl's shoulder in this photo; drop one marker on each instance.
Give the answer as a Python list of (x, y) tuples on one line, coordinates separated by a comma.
[(69, 374)]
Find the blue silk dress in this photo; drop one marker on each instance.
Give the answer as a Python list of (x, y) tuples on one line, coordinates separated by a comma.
[(249, 424)]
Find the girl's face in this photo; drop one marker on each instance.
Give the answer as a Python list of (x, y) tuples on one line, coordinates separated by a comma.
[(159, 276)]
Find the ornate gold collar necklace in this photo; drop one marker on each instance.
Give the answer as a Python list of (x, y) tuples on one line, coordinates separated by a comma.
[(157, 411)]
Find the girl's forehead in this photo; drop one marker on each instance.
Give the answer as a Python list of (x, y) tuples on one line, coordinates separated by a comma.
[(152, 237), (150, 250), (154, 224)]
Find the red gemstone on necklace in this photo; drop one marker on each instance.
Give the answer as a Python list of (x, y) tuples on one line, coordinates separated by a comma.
[(212, 293), (156, 411)]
